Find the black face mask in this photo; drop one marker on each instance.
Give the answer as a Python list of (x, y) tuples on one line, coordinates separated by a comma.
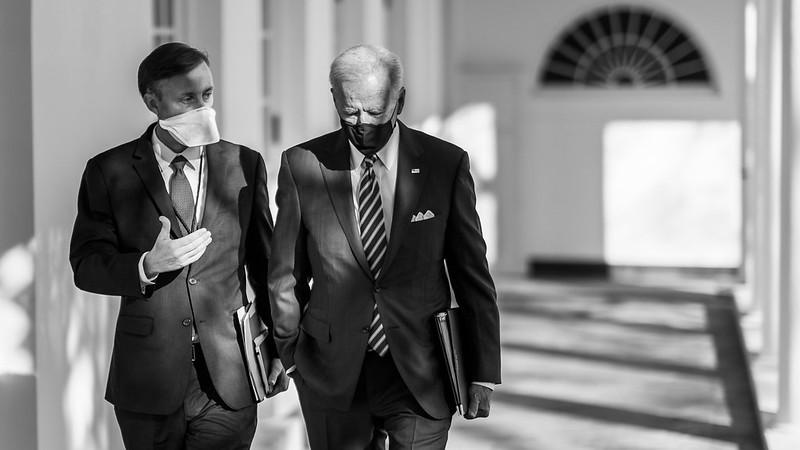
[(369, 138)]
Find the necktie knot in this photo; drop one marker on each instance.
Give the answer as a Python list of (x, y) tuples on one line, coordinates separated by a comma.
[(178, 162), (369, 161)]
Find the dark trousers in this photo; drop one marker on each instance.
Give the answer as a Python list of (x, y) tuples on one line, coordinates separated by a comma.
[(382, 404), (203, 422)]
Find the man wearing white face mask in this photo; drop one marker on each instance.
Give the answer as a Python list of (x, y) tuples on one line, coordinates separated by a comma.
[(171, 222)]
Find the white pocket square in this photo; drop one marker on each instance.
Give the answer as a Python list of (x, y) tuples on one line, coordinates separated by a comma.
[(420, 216)]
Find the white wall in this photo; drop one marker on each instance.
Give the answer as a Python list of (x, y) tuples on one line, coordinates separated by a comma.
[(85, 100), (559, 161)]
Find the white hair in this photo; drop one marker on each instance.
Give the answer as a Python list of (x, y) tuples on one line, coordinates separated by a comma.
[(361, 60)]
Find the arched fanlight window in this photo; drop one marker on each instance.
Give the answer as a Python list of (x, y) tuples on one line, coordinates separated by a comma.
[(624, 46)]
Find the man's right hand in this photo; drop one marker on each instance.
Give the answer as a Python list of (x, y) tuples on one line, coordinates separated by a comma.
[(173, 254)]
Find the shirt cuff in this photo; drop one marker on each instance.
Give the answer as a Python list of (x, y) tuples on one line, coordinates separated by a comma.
[(486, 385), (143, 280)]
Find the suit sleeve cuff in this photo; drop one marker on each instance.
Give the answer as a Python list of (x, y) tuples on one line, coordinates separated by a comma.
[(486, 385), (143, 280)]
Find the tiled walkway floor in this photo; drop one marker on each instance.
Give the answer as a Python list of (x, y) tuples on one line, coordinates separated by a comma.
[(598, 366)]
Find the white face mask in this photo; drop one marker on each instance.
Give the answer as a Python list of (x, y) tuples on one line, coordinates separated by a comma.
[(193, 128)]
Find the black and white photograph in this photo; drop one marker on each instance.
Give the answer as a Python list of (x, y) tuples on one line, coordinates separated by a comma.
[(399, 225)]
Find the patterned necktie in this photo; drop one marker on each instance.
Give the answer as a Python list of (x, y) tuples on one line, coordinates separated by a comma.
[(181, 193), (373, 236)]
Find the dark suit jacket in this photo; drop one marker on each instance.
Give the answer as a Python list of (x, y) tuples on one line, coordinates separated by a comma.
[(121, 196), (323, 329)]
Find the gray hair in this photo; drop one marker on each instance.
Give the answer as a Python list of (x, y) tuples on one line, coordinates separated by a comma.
[(365, 59)]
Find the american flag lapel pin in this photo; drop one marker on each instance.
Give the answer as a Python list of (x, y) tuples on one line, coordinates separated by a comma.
[(414, 170)]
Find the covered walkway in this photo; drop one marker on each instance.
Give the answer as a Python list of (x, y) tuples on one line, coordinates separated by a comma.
[(591, 365)]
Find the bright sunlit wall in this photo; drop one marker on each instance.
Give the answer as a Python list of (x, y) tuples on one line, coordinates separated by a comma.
[(550, 152), (672, 193)]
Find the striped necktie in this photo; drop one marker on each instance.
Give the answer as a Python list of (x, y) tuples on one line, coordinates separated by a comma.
[(373, 236)]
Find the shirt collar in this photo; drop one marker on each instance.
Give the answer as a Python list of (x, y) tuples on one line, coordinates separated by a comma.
[(165, 155), (387, 155)]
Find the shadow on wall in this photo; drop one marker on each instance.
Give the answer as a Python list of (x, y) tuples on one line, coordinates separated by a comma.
[(75, 338), (17, 381), (17, 310)]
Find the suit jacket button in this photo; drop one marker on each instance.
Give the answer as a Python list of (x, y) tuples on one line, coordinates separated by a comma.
[(365, 330), (186, 322), (378, 288), (192, 281)]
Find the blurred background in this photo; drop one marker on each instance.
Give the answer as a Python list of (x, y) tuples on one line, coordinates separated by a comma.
[(614, 145)]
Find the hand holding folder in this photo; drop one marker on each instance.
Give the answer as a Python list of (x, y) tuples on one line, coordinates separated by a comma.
[(447, 328), (252, 335)]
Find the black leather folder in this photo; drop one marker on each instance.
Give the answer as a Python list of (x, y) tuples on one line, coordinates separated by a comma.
[(450, 339)]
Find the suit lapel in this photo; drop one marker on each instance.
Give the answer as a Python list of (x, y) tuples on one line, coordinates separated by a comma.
[(335, 167), (407, 191), (218, 170), (221, 188), (144, 162)]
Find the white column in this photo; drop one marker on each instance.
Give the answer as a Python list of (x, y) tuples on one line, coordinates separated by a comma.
[(770, 276), (373, 22), (756, 166), (17, 380), (237, 73), (763, 184), (16, 160), (422, 53), (85, 100), (789, 337), (360, 22), (307, 47), (318, 53), (202, 28)]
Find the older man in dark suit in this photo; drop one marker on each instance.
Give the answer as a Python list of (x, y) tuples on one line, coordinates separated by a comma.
[(147, 213), (368, 216)]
